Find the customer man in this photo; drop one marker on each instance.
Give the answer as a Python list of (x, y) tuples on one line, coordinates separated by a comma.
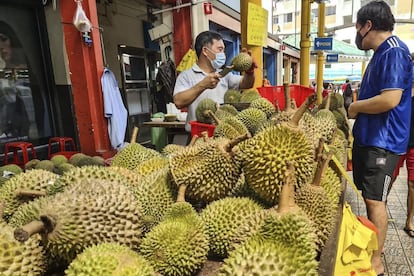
[(382, 113), (203, 80)]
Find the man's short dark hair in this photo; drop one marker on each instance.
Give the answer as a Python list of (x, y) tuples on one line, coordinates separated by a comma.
[(379, 13), (205, 39)]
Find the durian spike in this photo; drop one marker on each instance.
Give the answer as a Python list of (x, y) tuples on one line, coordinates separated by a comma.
[(287, 195), (1, 209), (193, 140), (24, 233), (181, 193), (30, 193), (213, 117), (134, 135), (228, 147), (286, 91), (294, 122)]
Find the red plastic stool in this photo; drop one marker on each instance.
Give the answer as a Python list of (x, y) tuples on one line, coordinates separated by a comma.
[(15, 147), (62, 144)]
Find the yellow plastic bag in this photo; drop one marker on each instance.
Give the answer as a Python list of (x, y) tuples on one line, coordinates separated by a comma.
[(355, 246)]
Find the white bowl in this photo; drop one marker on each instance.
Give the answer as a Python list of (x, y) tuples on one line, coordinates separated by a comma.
[(182, 117), (157, 119)]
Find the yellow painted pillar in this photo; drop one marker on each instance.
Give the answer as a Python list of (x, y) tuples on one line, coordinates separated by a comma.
[(257, 51), (305, 43), (321, 59), (363, 68)]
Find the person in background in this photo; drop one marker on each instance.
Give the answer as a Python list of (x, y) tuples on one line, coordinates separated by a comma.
[(203, 80), (344, 85), (265, 81), (348, 95), (409, 162), (325, 90), (382, 113)]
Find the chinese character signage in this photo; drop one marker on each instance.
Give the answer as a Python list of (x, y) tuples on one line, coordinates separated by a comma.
[(256, 25)]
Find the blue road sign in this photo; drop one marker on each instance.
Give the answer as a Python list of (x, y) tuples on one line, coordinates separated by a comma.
[(332, 58), (323, 43)]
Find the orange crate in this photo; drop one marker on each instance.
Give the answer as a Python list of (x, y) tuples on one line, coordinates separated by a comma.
[(197, 128), (275, 93)]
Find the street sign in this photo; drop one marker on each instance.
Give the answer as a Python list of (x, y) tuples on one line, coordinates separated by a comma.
[(332, 58), (323, 43)]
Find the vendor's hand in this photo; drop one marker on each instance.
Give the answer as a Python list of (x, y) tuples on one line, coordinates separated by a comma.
[(210, 81), (250, 71), (352, 113)]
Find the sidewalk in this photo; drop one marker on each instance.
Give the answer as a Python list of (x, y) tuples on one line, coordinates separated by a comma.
[(398, 255)]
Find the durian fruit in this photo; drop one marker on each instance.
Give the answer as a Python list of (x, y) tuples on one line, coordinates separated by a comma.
[(286, 114), (155, 193), (31, 164), (8, 171), (226, 221), (232, 96), (208, 170), (202, 110), (242, 62), (133, 155), (87, 213), (24, 187), (230, 127), (171, 149), (283, 245), (74, 159), (264, 157), (264, 105), (178, 245), (90, 161), (247, 96), (229, 108), (20, 259), (326, 123), (252, 118), (78, 174), (221, 114), (99, 160), (151, 165), (64, 167), (58, 159), (132, 178), (314, 201), (109, 259), (46, 165)]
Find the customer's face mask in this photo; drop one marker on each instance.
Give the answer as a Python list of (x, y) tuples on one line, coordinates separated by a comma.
[(219, 61), (359, 38)]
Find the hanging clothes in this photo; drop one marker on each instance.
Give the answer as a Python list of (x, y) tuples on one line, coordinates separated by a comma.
[(114, 109), (166, 77)]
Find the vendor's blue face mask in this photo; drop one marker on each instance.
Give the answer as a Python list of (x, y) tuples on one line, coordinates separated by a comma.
[(219, 61)]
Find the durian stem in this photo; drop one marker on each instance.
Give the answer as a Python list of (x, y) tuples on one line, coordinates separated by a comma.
[(319, 149), (134, 135), (286, 91), (294, 122), (277, 107), (30, 193), (328, 101), (213, 116), (1, 209), (322, 165), (293, 104), (24, 233), (287, 195), (181, 193), (205, 136), (193, 140), (230, 145)]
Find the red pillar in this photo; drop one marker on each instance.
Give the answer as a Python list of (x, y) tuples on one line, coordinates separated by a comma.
[(182, 32), (86, 67)]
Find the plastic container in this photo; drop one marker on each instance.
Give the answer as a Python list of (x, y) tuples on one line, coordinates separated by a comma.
[(275, 94), (197, 129)]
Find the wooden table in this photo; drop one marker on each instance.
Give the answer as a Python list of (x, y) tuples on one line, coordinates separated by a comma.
[(175, 124)]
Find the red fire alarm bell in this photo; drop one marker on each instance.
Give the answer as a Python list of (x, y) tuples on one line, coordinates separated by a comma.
[(208, 8)]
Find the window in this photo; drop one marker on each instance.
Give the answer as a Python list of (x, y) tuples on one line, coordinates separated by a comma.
[(330, 10), (288, 17), (275, 19), (24, 96)]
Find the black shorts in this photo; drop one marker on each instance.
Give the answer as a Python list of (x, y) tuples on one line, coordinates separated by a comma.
[(373, 169)]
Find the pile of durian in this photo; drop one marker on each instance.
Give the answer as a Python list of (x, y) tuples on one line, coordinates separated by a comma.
[(259, 198)]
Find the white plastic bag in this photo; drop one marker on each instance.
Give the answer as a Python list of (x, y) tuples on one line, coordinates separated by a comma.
[(80, 20)]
